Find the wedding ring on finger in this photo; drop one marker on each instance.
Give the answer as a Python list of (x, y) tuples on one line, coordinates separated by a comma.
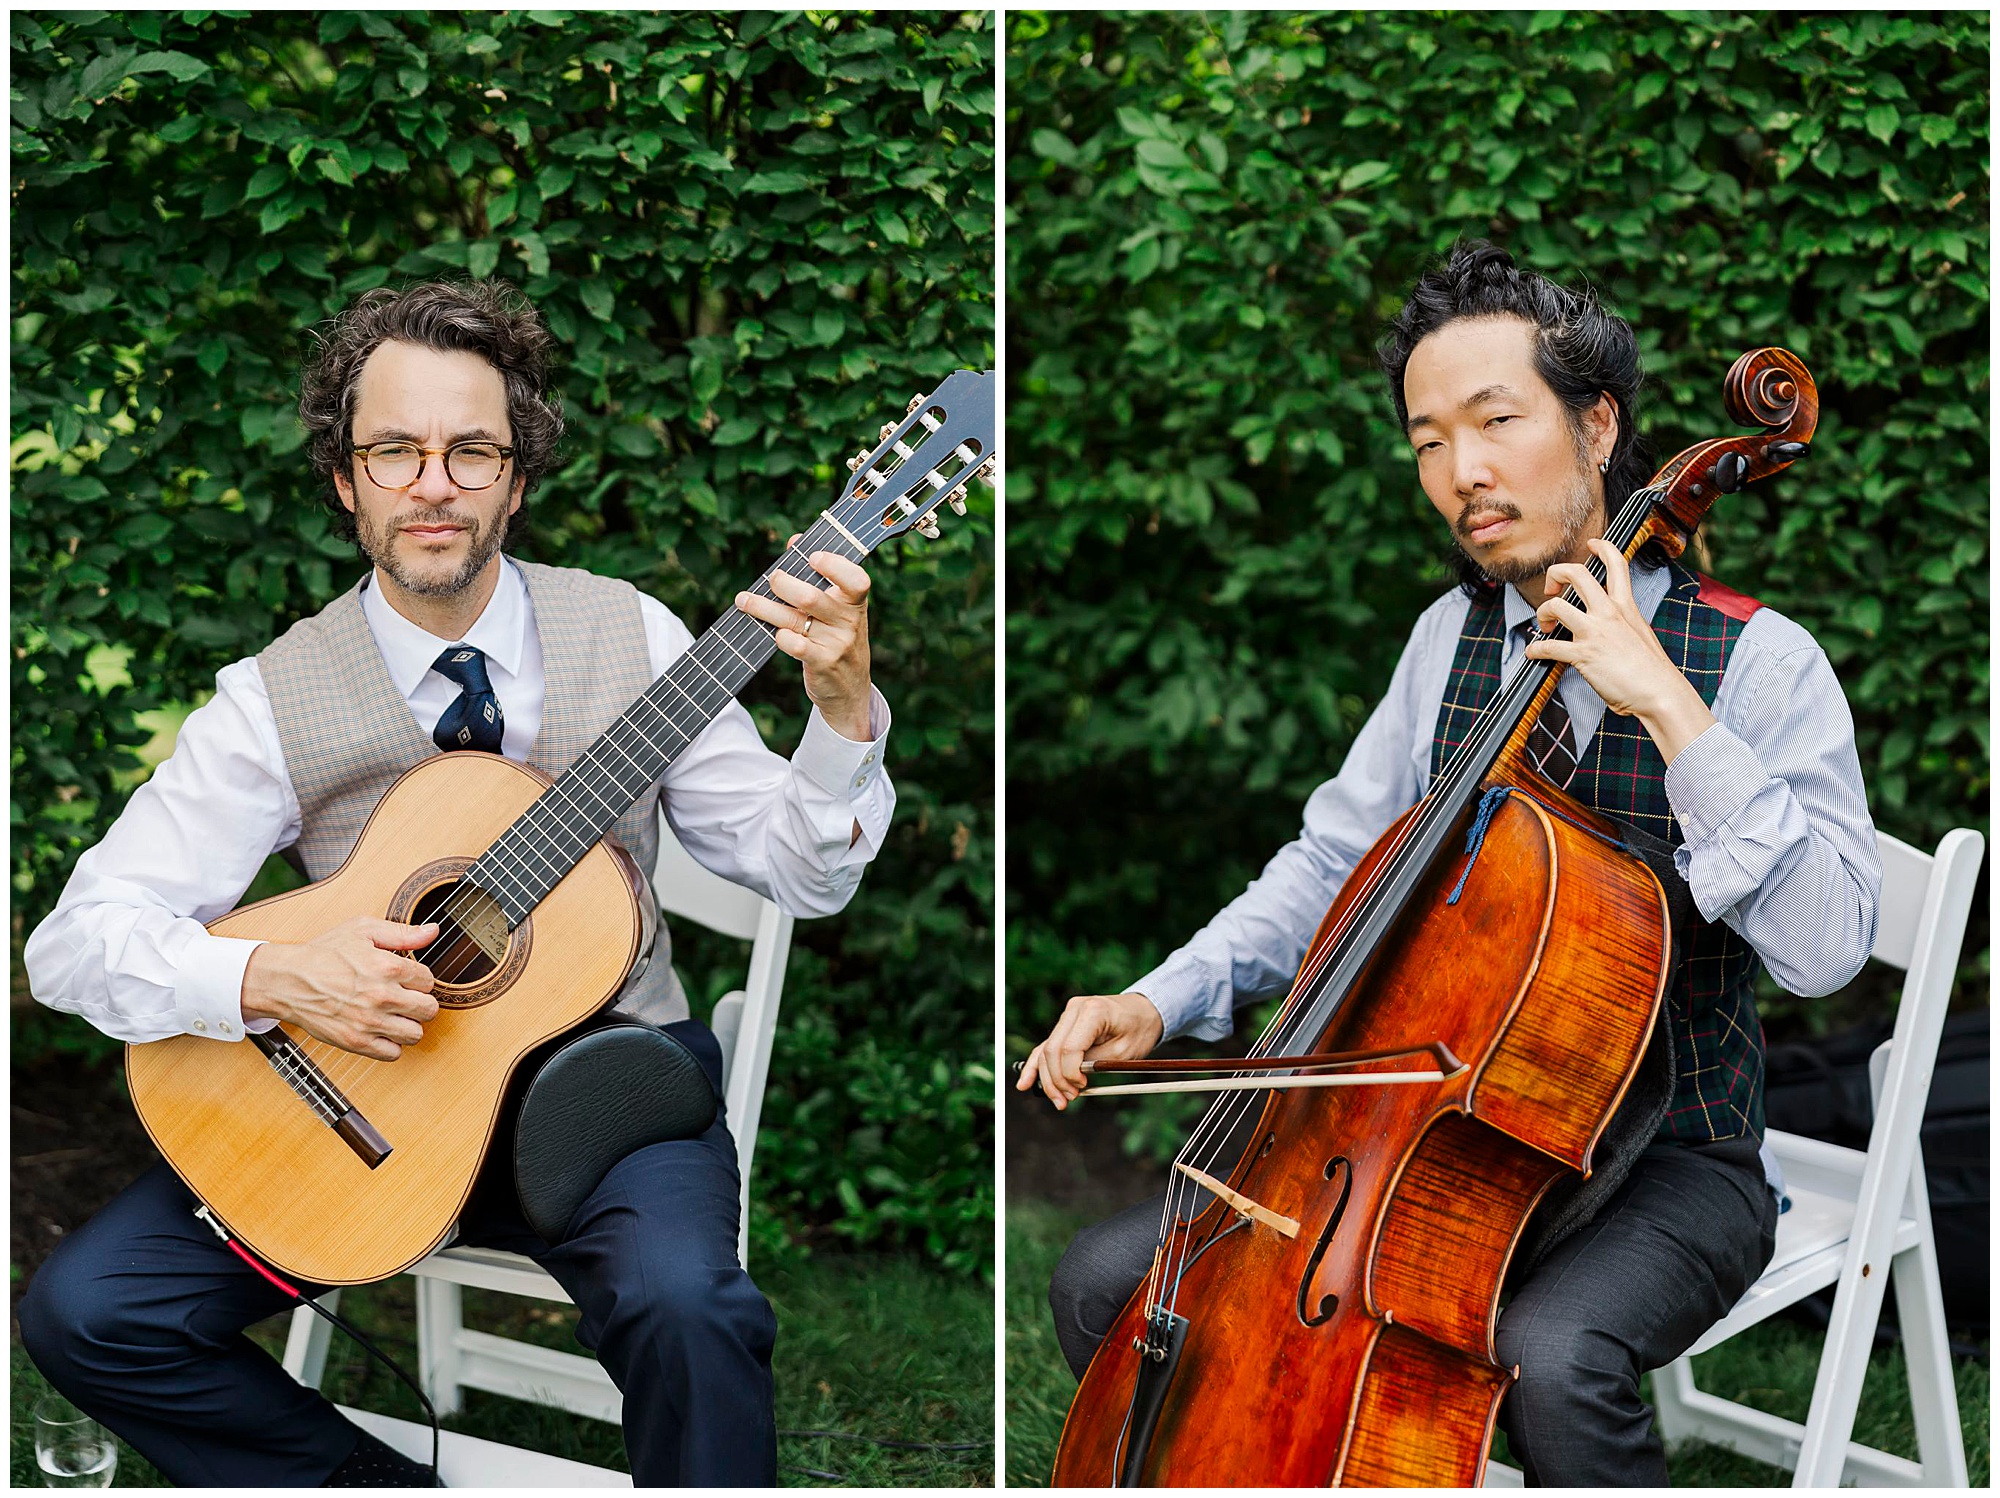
[(807, 631)]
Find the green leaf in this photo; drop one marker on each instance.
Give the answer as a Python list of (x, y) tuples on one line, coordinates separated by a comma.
[(1053, 145), (213, 355), (1362, 173), (178, 65), (1143, 260), (482, 258), (893, 228), (266, 180), (1882, 121), (597, 299), (1649, 87)]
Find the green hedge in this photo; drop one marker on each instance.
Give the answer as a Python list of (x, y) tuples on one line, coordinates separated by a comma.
[(756, 235), (1216, 540)]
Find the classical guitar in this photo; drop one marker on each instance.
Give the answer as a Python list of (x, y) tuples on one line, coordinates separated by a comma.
[(340, 1170)]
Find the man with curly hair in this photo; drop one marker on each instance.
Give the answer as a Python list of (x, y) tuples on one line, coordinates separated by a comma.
[(431, 419), (1692, 714)]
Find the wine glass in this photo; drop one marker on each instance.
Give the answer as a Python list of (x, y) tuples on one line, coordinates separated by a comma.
[(72, 1449)]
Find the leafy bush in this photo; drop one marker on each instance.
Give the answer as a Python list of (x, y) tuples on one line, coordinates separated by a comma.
[(1216, 540), (755, 234)]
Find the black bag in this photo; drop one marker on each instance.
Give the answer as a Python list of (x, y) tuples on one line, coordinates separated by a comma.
[(1820, 1089), (590, 1097)]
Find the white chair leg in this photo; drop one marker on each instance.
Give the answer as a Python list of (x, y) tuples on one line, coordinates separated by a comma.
[(1672, 1387), (307, 1340), (1927, 1348), (1843, 1364), (440, 1316)]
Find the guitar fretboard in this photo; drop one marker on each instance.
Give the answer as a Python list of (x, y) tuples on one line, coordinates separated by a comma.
[(530, 858)]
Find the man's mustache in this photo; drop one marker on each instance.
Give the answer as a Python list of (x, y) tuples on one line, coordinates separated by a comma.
[(1463, 524)]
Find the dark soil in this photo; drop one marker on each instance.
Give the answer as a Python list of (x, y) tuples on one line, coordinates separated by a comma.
[(76, 1144)]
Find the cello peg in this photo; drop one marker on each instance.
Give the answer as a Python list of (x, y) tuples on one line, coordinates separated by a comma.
[(1729, 471), (1786, 452)]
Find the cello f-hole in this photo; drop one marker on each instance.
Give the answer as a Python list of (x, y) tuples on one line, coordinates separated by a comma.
[(1328, 1304)]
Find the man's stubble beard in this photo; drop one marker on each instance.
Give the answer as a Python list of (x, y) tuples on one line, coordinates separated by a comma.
[(482, 544), (1578, 509)]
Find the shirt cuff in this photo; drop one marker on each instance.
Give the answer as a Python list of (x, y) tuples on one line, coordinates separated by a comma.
[(1711, 780), (1186, 999), (852, 774), (208, 986)]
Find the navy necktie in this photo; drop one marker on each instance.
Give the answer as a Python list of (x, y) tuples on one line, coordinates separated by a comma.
[(473, 721)]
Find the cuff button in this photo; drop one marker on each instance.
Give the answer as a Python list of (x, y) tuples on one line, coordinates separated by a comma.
[(202, 1025)]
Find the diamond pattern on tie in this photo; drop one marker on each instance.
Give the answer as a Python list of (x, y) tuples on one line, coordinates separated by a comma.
[(1552, 746), (473, 721)]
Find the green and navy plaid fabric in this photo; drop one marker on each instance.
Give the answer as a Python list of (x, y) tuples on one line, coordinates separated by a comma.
[(1718, 1043)]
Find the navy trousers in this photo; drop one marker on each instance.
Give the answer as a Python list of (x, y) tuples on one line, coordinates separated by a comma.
[(138, 1318)]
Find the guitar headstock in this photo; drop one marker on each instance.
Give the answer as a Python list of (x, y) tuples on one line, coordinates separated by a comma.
[(943, 442)]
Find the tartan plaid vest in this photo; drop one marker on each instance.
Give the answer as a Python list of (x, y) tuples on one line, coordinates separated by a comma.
[(1718, 1043)]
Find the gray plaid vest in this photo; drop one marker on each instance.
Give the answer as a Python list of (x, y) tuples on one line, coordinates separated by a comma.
[(347, 733), (1718, 1042)]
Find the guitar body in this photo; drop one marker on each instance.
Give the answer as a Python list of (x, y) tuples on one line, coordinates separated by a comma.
[(302, 1192)]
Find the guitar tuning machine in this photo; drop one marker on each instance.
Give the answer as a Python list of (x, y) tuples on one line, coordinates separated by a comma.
[(911, 409), (989, 471), (887, 428), (928, 527), (956, 499), (855, 462)]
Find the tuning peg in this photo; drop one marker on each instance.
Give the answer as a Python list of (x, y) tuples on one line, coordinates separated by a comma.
[(911, 409), (887, 428), (1786, 452), (1729, 471), (928, 527), (988, 471), (956, 499), (854, 463)]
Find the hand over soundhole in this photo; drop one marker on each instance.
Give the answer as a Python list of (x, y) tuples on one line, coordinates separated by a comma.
[(353, 986), (475, 955)]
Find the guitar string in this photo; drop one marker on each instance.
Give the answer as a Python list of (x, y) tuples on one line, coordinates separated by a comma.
[(559, 801), (356, 1065), (736, 627), (1222, 1118)]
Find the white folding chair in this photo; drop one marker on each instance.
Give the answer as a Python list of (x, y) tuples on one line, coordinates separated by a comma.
[(451, 1357), (1856, 1220)]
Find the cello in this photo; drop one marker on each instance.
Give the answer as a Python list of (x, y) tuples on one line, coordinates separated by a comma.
[(1466, 1040)]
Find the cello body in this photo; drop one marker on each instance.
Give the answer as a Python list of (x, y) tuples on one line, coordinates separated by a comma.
[(1360, 1352)]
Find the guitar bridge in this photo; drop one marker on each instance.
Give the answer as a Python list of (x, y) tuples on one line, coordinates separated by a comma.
[(290, 1061)]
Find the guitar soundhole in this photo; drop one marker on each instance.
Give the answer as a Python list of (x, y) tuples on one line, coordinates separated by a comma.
[(472, 934)]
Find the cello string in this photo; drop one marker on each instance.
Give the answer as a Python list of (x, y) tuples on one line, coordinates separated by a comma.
[(1221, 1119)]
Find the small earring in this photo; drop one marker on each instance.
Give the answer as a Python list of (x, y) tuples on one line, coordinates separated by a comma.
[(1604, 465)]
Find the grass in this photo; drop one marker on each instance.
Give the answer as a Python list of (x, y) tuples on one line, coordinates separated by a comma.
[(875, 1346), (1770, 1367)]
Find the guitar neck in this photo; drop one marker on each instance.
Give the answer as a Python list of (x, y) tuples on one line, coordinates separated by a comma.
[(531, 857)]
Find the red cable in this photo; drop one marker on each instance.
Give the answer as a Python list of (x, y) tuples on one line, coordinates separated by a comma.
[(237, 1249)]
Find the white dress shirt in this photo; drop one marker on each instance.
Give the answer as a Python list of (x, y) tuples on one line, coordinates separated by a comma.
[(125, 946), (1779, 844)]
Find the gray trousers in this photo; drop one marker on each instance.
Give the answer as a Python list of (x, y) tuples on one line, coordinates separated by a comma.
[(1678, 1243)]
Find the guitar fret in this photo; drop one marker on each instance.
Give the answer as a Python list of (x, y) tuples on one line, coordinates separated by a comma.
[(639, 746)]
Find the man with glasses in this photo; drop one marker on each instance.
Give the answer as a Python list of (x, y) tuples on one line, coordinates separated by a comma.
[(431, 421)]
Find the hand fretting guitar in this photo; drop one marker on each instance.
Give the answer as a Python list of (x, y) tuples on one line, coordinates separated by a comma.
[(341, 1170)]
